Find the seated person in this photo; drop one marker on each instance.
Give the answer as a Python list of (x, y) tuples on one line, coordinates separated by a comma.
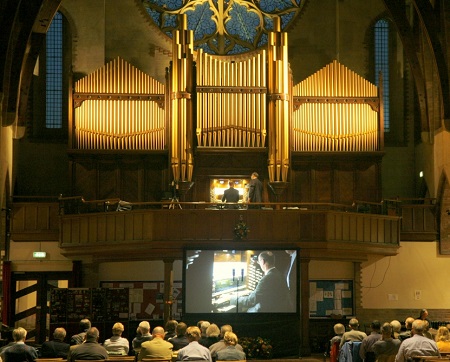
[(387, 347), (216, 347), (353, 334), (230, 352), (90, 349), (180, 340), (212, 336), (171, 329), (194, 350), (142, 335), (339, 329), (56, 348), (85, 324), (117, 345), (443, 339), (19, 351), (231, 195), (157, 347), (417, 344), (271, 294)]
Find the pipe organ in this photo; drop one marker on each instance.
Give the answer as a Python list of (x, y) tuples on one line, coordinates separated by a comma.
[(231, 101), (118, 107), (220, 102), (337, 110)]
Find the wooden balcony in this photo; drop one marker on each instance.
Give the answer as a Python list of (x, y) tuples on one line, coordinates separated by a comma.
[(150, 231)]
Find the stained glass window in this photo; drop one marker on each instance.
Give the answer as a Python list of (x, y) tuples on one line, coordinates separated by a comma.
[(225, 27)]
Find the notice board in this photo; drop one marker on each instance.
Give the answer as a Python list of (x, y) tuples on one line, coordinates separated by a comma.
[(147, 298), (330, 297), (98, 304)]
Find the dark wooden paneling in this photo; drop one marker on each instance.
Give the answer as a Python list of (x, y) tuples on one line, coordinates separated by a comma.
[(107, 181), (323, 183), (344, 186)]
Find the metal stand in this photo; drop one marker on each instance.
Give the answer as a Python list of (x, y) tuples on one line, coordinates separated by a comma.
[(174, 202)]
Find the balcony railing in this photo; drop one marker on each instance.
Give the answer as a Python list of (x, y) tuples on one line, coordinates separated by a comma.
[(112, 226)]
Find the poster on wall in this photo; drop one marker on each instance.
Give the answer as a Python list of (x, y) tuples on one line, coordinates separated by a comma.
[(330, 298), (146, 299)]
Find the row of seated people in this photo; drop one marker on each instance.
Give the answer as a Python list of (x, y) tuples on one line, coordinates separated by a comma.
[(180, 343), (387, 342)]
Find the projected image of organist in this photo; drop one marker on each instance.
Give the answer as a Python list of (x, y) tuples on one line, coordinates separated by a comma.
[(271, 293), (243, 281)]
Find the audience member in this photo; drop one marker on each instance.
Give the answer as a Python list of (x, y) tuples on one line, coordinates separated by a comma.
[(203, 327), (90, 349), (171, 329), (426, 330), (216, 347), (386, 349), (408, 325), (271, 293), (180, 340), (423, 314), (339, 330), (56, 348), (212, 336), (417, 345), (194, 350), (230, 352), (117, 345), (353, 334), (19, 351), (142, 335), (443, 339), (365, 352), (396, 328), (157, 347), (85, 324)]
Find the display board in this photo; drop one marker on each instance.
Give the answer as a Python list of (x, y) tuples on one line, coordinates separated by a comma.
[(98, 304), (330, 298), (147, 298)]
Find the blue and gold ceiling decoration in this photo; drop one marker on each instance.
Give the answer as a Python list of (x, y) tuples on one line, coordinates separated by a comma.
[(225, 27)]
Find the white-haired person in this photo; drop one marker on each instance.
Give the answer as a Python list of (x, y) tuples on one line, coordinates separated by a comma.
[(117, 345), (56, 348), (142, 335), (19, 351), (230, 352), (417, 344), (212, 336)]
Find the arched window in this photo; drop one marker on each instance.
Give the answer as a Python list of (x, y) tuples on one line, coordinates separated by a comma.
[(51, 83), (381, 62), (54, 73), (387, 58)]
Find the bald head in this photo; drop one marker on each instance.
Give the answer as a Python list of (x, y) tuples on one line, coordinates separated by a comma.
[(158, 332)]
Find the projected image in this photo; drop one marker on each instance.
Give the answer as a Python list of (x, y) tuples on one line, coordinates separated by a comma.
[(240, 281)]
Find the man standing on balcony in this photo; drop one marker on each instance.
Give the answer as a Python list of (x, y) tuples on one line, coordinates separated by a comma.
[(255, 190)]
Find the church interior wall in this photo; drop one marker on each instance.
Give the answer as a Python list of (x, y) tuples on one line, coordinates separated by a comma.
[(389, 284)]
